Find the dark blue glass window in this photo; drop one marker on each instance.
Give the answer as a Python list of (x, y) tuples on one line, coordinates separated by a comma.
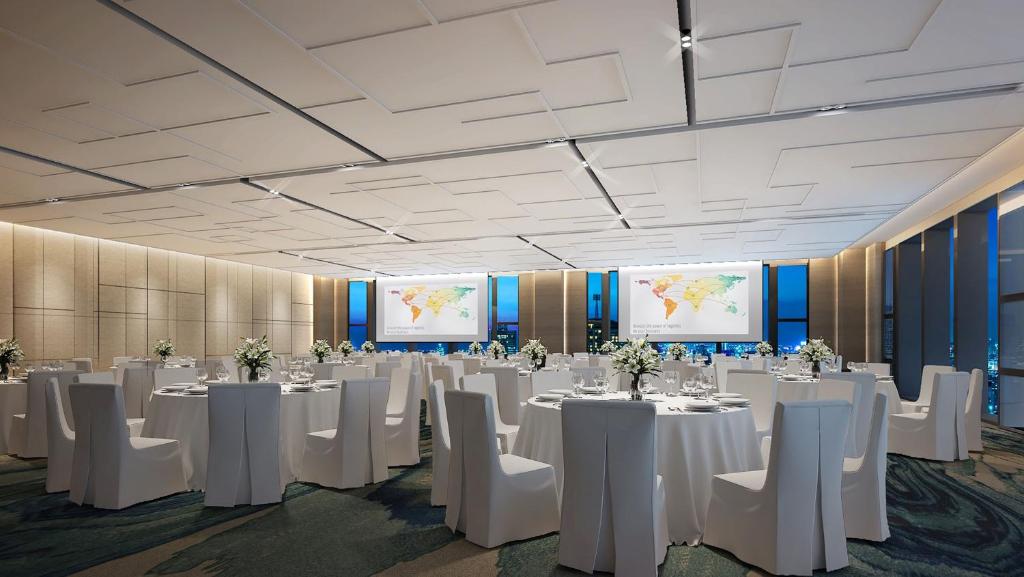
[(594, 294), (765, 302), (792, 335), (433, 347), (888, 323), (357, 312), (393, 347), (705, 349), (738, 349), (506, 326), (357, 334), (613, 305), (791, 329), (992, 402)]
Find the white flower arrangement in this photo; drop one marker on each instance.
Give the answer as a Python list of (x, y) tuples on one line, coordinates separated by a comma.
[(164, 348), (677, 351), (254, 354), (815, 351), (475, 348), (637, 357), (320, 349), (346, 348), (10, 351), (534, 349), (496, 349), (764, 348), (608, 347), (367, 347)]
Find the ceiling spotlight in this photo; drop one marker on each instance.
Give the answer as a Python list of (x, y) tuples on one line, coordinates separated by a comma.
[(585, 164), (275, 192), (839, 106), (687, 44), (389, 232), (686, 39), (301, 256), (621, 216), (53, 199)]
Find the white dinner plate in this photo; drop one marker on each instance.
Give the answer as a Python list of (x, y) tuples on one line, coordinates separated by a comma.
[(734, 402), (176, 387), (549, 397), (701, 405), (301, 388), (563, 392), (726, 395), (195, 391), (591, 390)]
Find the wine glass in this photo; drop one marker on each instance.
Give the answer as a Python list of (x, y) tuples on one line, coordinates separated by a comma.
[(201, 376), (222, 373), (308, 372), (577, 382), (601, 382), (671, 378)]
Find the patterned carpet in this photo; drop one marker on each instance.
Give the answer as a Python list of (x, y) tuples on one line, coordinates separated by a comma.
[(956, 519)]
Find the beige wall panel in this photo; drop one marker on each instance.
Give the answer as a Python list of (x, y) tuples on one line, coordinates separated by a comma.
[(302, 288), (260, 294), (576, 311), (231, 274), (302, 313), (243, 295), (135, 301), (236, 332), (156, 304), (302, 338), (260, 328), (191, 271), (28, 326), (549, 317), (111, 262), (821, 301), (191, 307), (281, 295), (28, 263), (874, 261), (85, 276), (58, 271), (340, 311), (172, 271), (111, 299), (85, 337), (281, 337), (157, 329), (6, 272), (157, 269), (527, 305), (323, 309), (172, 309), (852, 311), (6, 325), (136, 336), (216, 290), (135, 266), (216, 338), (111, 337), (190, 337), (58, 334)]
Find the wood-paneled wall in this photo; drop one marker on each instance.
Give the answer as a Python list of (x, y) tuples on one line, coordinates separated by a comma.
[(68, 296)]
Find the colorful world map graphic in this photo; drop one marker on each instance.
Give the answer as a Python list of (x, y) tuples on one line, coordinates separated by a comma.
[(672, 289), (436, 300)]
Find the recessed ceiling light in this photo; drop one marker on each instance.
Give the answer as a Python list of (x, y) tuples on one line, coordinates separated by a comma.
[(687, 44), (839, 106), (585, 164), (54, 199), (389, 232), (686, 37), (275, 192), (622, 217)]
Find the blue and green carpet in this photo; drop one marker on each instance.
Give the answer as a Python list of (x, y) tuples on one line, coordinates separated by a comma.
[(957, 519)]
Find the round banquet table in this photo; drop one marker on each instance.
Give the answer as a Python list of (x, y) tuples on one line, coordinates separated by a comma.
[(692, 449), (174, 415)]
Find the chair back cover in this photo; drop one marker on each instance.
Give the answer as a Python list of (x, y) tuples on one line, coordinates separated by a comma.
[(544, 381), (360, 437), (400, 388), (138, 383), (101, 441), (473, 463), (928, 376), (164, 376), (440, 444), (864, 507), (722, 368), (471, 365), (445, 374), (342, 372), (60, 441), (589, 374), (761, 388), (34, 444), (243, 465), (608, 495), (841, 390), (863, 406), (878, 369), (384, 368), (458, 368), (972, 410), (506, 379), (107, 377), (79, 364)]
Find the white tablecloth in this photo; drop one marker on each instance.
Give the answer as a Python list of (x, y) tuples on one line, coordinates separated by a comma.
[(692, 448), (13, 400), (186, 418)]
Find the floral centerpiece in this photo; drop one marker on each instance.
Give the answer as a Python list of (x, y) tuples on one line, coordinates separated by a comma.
[(10, 353), (608, 347), (475, 348), (254, 354), (346, 348), (163, 348), (367, 347), (764, 348), (637, 358), (496, 349), (320, 349), (814, 352), (535, 351), (677, 351)]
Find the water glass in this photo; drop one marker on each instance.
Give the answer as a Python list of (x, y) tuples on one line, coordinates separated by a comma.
[(222, 374), (201, 376), (671, 378)]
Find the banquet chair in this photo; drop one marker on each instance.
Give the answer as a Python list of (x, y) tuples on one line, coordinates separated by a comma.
[(243, 466), (458, 369), (938, 434), (613, 500), (455, 357), (440, 445), (322, 371), (29, 429), (722, 368), (96, 378), (864, 511), (138, 383), (792, 366), (590, 374), (347, 372), (929, 373), (836, 390), (401, 380), (485, 384), (471, 366), (383, 368), (788, 519), (355, 452), (586, 356), (506, 380), (879, 369), (443, 373), (122, 360), (110, 469), (595, 360), (544, 381), (972, 410), (761, 388), (402, 431), (79, 364), (863, 403), (580, 363), (493, 498)]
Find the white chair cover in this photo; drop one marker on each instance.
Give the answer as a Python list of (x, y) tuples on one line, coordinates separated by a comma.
[(788, 519), (384, 368), (928, 375), (506, 379), (138, 383), (722, 368), (863, 406), (354, 453), (79, 364), (761, 389), (403, 430), (97, 378), (613, 501), (458, 368), (348, 372), (485, 384), (440, 445), (938, 434), (544, 381), (493, 498), (972, 414), (471, 365), (28, 430), (111, 470), (879, 369), (243, 466), (163, 376), (400, 379), (60, 441), (580, 362), (589, 374), (864, 510), (443, 373)]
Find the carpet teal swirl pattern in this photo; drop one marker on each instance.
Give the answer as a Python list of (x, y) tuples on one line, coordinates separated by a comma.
[(947, 519)]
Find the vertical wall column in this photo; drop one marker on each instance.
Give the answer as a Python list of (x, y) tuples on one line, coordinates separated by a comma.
[(575, 311), (908, 318), (852, 307), (971, 291), (821, 300), (549, 302), (340, 311), (527, 306), (324, 312), (874, 257), (935, 297)]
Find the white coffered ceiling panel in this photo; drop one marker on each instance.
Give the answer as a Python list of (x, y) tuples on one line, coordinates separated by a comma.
[(355, 137)]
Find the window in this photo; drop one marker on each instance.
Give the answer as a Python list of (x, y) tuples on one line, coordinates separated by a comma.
[(613, 305), (433, 347), (992, 402), (595, 334), (952, 296), (506, 322), (791, 328), (765, 304), (738, 349), (357, 312), (888, 324), (705, 349), (403, 347)]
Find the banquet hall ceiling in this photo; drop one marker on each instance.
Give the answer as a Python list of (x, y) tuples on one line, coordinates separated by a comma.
[(360, 137)]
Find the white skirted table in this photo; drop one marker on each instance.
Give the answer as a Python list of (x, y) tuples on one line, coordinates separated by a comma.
[(692, 449), (184, 417)]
